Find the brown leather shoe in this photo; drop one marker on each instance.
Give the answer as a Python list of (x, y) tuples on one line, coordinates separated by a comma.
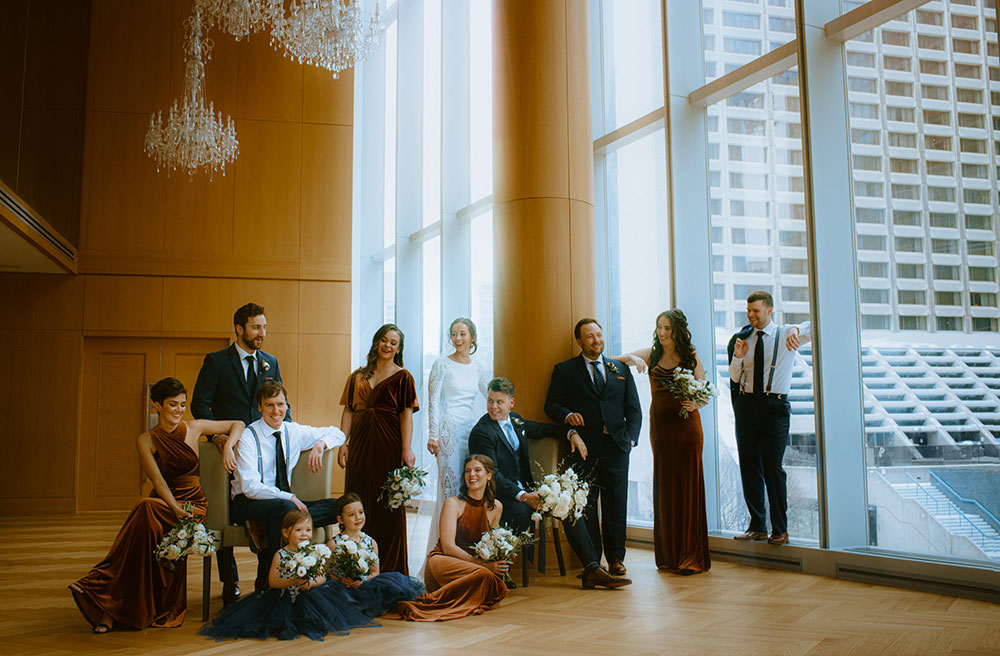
[(778, 538), (756, 536), (617, 568), (257, 532), (601, 577)]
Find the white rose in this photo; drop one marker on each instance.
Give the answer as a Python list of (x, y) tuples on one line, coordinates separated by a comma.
[(173, 552), (536, 516), (301, 571), (362, 564), (182, 534), (309, 561), (323, 550), (351, 546)]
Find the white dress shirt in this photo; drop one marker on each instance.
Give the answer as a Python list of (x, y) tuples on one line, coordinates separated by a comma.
[(243, 360), (255, 455), (741, 369)]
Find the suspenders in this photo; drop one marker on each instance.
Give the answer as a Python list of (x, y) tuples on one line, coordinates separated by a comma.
[(774, 361), (260, 456)]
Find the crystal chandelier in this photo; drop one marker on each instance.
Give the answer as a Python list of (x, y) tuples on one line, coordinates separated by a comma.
[(241, 18), (194, 137), (331, 34)]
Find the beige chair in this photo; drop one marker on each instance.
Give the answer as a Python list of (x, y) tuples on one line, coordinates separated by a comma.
[(215, 482)]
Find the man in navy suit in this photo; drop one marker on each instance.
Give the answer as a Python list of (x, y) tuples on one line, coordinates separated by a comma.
[(229, 379), (503, 436), (598, 398)]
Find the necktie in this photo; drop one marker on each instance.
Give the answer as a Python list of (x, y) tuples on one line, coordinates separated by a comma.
[(280, 469), (511, 436), (251, 373), (758, 364), (598, 377)]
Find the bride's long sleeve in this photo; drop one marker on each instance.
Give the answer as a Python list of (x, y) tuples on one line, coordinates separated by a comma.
[(435, 392), (484, 377)]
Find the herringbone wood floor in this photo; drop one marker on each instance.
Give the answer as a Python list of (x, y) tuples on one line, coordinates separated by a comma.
[(733, 609)]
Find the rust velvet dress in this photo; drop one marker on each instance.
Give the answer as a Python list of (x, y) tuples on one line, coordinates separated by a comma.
[(130, 585), (375, 449), (680, 525), (455, 587)]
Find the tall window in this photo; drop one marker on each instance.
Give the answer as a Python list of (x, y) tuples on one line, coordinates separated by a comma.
[(927, 279)]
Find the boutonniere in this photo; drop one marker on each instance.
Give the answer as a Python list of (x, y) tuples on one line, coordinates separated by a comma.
[(517, 421), (612, 366), (265, 365)]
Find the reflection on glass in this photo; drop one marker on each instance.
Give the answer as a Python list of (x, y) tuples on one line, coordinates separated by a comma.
[(480, 98), (758, 243), (633, 61), (925, 217), (482, 286), (389, 207), (737, 32), (638, 268), (431, 142), (429, 350), (389, 291)]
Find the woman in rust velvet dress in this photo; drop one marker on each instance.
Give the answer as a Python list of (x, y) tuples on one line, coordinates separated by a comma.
[(680, 525), (130, 588), (458, 583), (379, 401)]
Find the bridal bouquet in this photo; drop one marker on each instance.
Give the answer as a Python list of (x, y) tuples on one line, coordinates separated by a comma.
[(563, 496), (402, 485), (308, 562), (188, 536), (351, 560), (686, 387), (501, 543)]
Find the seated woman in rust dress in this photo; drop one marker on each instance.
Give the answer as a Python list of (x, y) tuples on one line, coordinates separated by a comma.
[(458, 583), (130, 587)]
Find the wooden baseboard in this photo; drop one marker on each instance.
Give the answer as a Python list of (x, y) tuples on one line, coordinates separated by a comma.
[(35, 505)]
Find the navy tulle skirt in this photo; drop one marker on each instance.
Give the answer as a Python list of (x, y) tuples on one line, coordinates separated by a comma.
[(380, 594), (314, 613)]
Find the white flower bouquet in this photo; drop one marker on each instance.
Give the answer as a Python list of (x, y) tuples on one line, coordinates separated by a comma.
[(563, 496), (308, 562), (351, 560), (501, 543), (401, 486), (686, 387), (189, 536)]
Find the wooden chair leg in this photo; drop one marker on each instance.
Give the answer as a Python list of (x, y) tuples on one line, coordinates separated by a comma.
[(206, 586), (228, 584), (559, 553), (524, 567), (540, 547)]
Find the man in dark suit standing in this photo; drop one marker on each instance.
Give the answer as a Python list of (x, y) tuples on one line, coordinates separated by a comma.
[(229, 379), (598, 398), (503, 436)]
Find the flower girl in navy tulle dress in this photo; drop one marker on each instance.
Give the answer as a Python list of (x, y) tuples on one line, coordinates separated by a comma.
[(291, 606), (356, 565)]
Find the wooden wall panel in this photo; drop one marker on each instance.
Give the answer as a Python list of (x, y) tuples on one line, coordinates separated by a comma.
[(123, 303), (325, 307), (280, 299), (285, 347), (13, 32), (198, 305), (270, 86), (39, 438), (268, 190), (326, 218), (199, 216), (325, 362), (129, 68), (125, 212), (326, 100), (182, 359), (42, 301)]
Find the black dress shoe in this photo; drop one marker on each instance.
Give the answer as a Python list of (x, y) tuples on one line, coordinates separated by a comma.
[(601, 577), (510, 585)]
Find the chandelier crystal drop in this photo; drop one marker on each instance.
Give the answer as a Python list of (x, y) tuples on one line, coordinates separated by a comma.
[(195, 136), (240, 18), (331, 34)]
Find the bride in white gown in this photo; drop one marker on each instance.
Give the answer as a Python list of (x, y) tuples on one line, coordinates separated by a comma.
[(456, 390)]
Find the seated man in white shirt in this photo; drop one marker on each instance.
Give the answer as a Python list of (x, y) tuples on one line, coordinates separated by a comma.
[(262, 464)]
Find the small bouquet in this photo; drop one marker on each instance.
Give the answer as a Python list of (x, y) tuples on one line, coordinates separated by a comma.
[(501, 543), (351, 560), (686, 387), (563, 496), (402, 485), (188, 536), (308, 562)]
